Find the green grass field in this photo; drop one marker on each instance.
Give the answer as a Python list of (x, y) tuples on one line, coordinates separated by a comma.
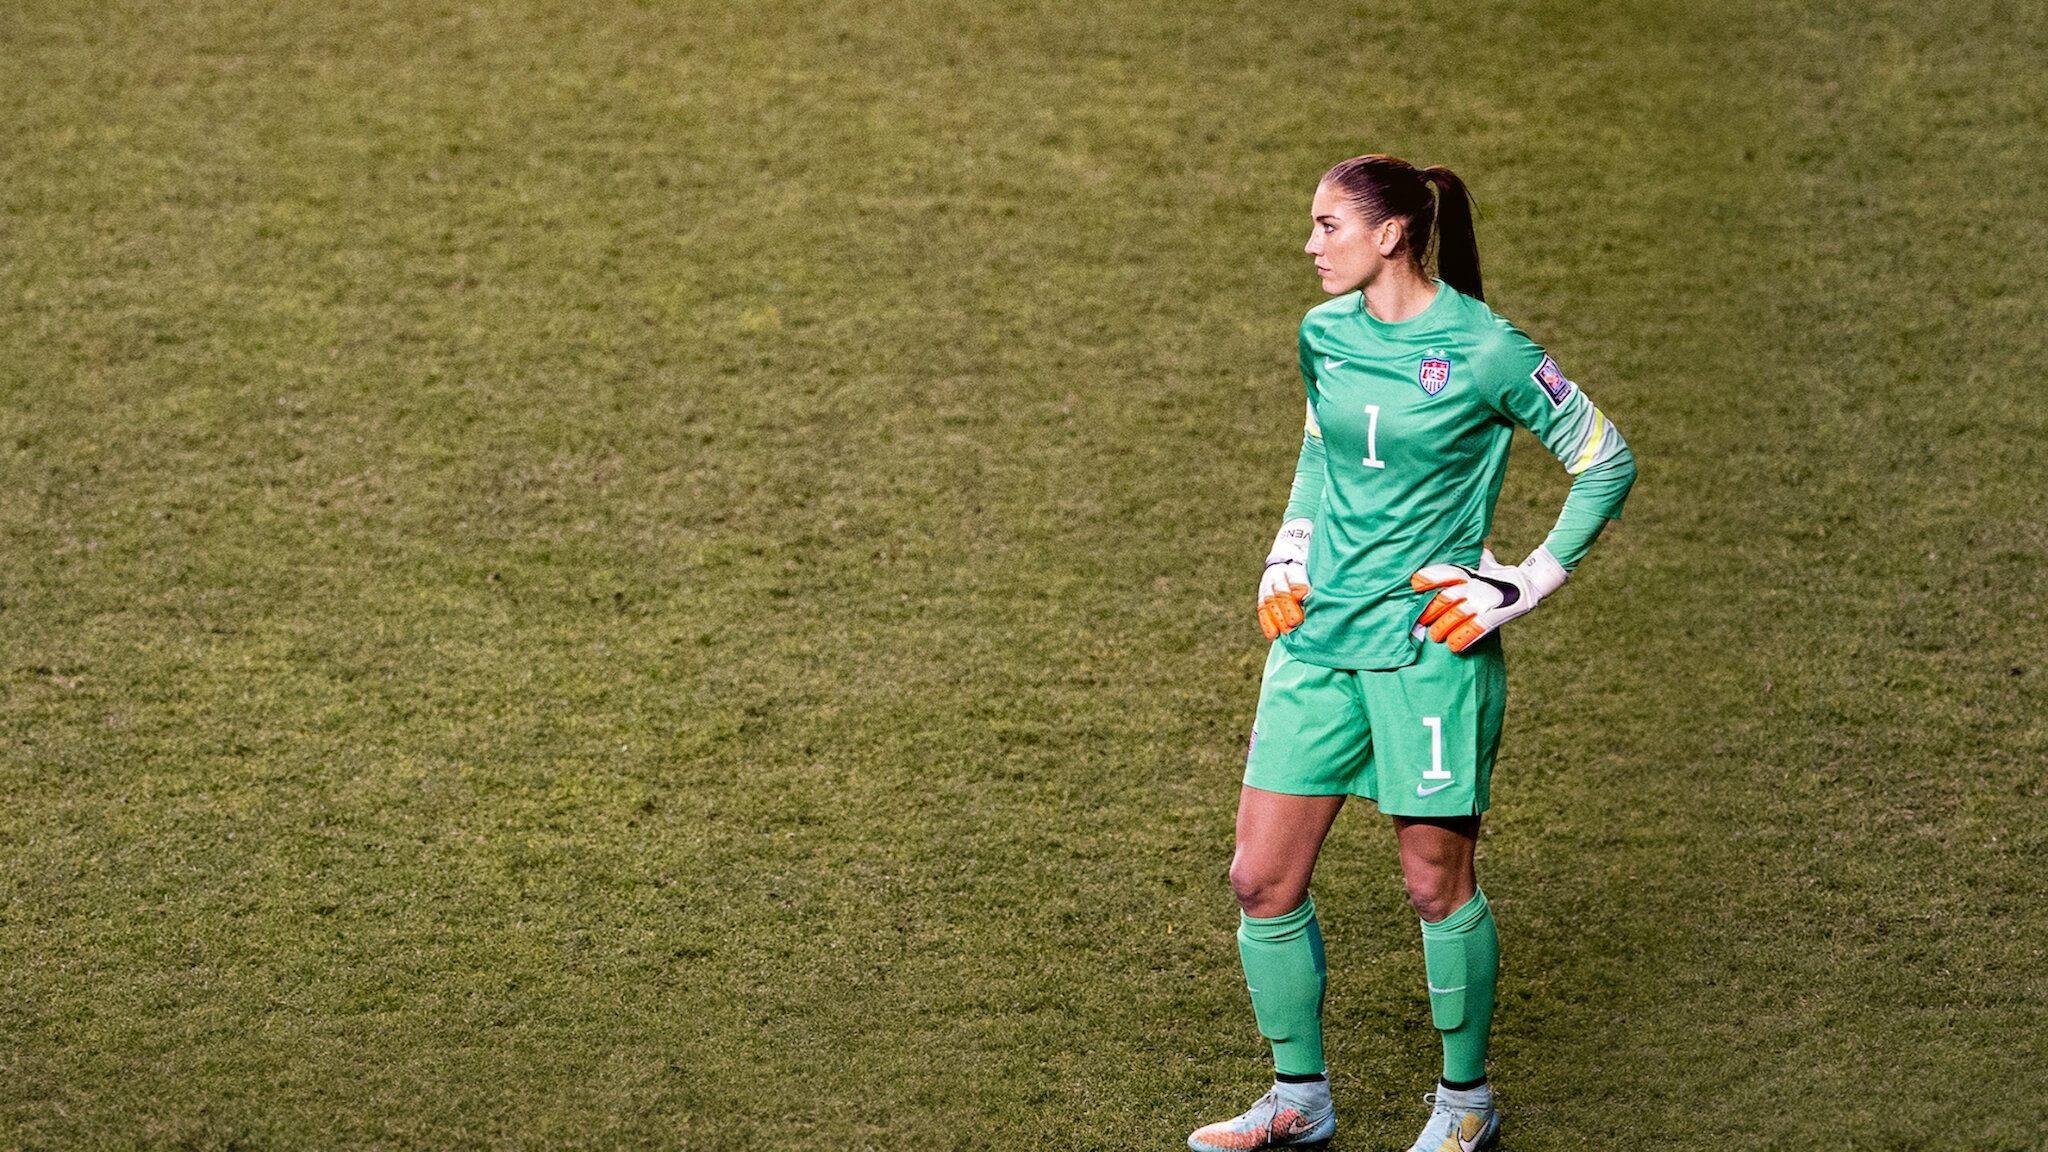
[(636, 576)]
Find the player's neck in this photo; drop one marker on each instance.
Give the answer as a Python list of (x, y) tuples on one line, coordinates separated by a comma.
[(1398, 294)]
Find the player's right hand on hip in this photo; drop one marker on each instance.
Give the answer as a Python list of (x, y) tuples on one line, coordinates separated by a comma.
[(1285, 583)]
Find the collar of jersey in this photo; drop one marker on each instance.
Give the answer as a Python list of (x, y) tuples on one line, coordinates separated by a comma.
[(1436, 304)]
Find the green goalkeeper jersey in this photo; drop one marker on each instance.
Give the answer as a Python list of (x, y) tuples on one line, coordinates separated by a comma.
[(1402, 461)]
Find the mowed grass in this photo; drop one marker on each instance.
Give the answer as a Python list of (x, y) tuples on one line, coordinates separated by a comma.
[(600, 575)]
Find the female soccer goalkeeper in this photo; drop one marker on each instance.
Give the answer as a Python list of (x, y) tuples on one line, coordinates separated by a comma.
[(1387, 679)]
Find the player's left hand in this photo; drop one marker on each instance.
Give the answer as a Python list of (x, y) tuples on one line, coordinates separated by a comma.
[(1471, 602)]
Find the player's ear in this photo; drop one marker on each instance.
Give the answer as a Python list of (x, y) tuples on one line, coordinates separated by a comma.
[(1387, 238)]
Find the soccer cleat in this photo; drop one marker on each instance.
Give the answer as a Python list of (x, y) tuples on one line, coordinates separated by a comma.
[(1285, 583), (1459, 1121), (1475, 601), (1302, 1117)]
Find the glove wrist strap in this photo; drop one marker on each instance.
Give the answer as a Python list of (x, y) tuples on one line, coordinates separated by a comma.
[(1544, 573), (1290, 546)]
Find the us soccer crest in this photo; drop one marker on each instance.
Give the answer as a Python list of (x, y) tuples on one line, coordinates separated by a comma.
[(1554, 384), (1434, 374)]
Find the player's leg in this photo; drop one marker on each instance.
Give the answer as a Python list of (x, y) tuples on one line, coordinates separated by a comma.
[(1436, 727), (1461, 958), (1278, 939), (1281, 946), (1460, 949), (1307, 744)]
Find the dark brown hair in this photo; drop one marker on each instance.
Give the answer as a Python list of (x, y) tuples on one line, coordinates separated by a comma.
[(1384, 187)]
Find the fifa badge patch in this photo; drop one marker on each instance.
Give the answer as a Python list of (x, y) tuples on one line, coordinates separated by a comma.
[(1434, 374), (1554, 384)]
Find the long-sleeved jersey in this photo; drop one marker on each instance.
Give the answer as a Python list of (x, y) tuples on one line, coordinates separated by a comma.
[(1402, 461)]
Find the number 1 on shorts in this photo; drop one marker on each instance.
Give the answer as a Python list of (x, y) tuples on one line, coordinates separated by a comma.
[(1435, 724)]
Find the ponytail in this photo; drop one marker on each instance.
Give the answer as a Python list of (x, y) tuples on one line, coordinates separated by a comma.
[(1457, 246)]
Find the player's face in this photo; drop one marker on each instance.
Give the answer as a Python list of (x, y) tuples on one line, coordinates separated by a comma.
[(1348, 251)]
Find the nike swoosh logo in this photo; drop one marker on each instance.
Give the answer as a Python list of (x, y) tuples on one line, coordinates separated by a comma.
[(1465, 1145), (1508, 592), (1445, 991), (1330, 365), (1421, 791)]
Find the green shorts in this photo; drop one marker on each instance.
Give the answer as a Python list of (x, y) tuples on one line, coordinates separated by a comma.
[(1417, 741)]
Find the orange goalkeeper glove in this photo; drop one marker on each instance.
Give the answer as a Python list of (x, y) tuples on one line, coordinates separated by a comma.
[(1285, 583), (1472, 602)]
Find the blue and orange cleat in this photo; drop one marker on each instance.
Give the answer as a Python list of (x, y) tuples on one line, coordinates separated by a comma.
[(1287, 1116)]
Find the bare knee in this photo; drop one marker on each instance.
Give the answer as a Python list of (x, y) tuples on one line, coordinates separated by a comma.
[(1436, 863), (1435, 893), (1262, 893)]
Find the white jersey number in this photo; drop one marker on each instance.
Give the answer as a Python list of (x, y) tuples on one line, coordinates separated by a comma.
[(1372, 437), (1435, 724)]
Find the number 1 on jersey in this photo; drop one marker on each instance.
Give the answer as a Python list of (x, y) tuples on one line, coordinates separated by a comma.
[(1372, 437)]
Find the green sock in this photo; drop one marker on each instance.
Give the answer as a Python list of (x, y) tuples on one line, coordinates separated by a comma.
[(1283, 966), (1462, 955)]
